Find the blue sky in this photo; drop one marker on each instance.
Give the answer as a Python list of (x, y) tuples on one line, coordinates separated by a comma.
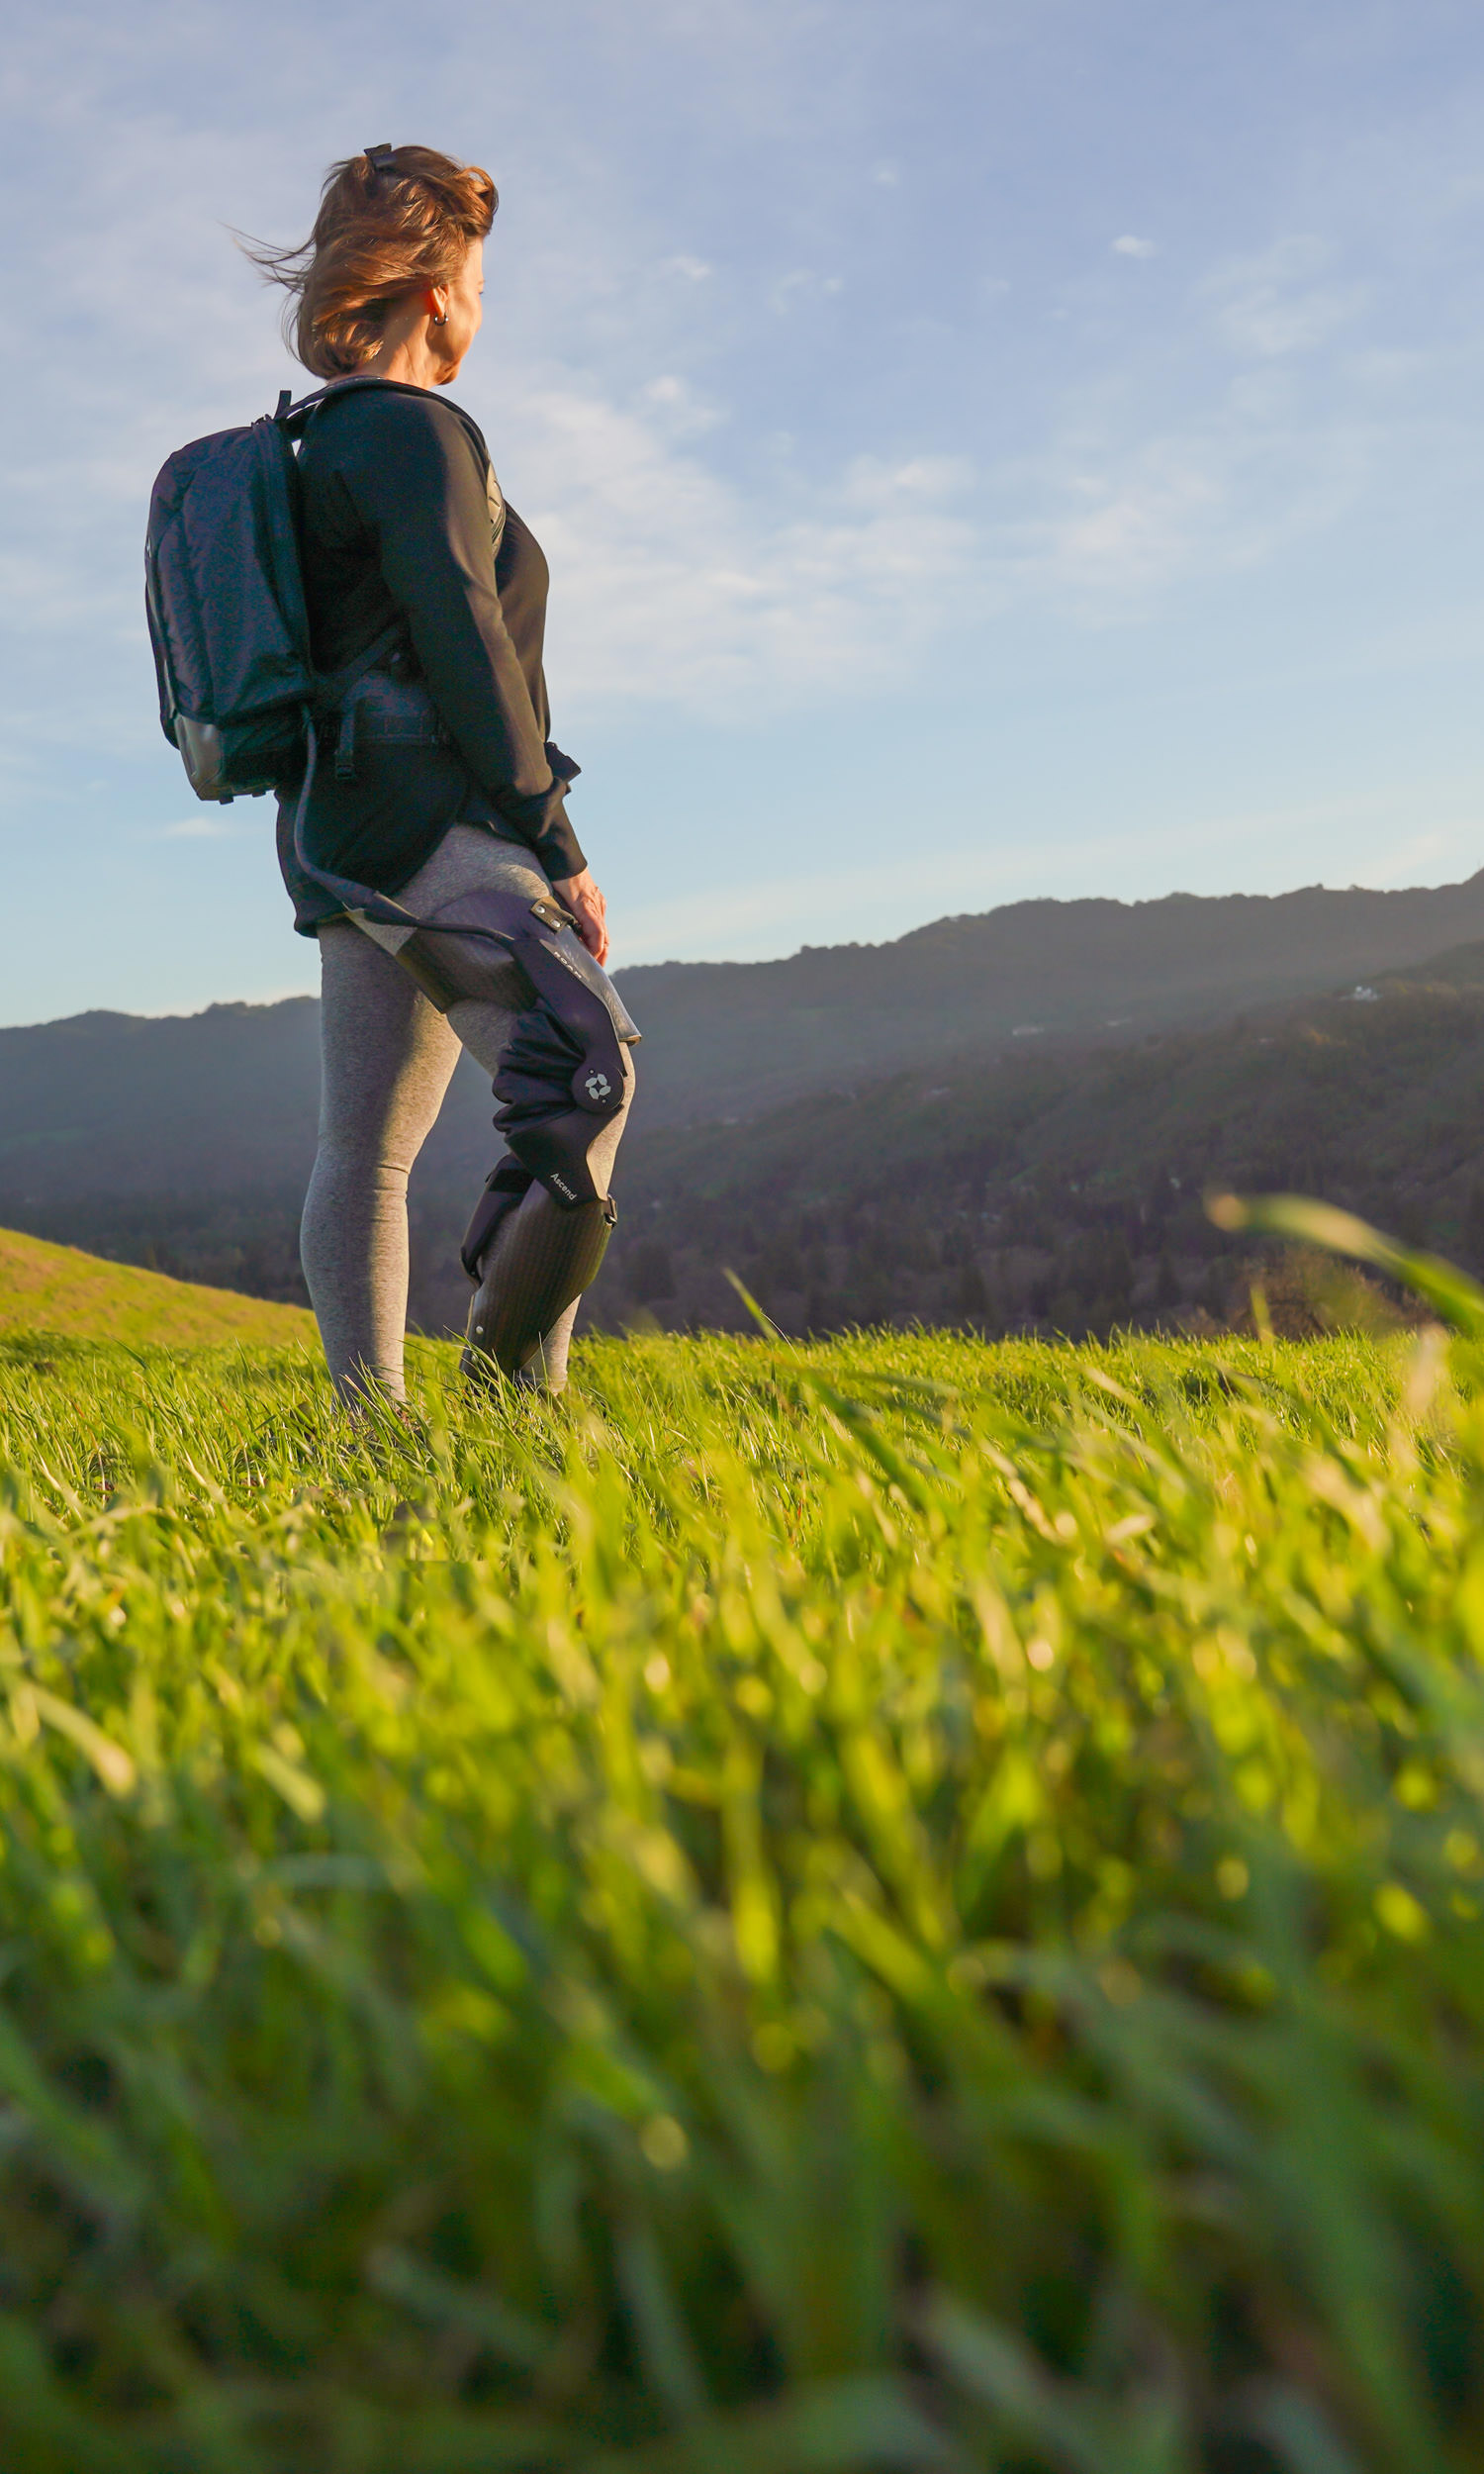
[(990, 448)]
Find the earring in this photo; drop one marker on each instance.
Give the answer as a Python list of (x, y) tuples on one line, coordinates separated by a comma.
[(439, 322)]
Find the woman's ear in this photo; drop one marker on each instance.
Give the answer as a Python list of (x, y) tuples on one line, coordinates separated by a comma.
[(436, 299)]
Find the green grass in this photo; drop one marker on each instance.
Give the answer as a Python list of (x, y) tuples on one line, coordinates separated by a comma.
[(58, 1295), (895, 1905)]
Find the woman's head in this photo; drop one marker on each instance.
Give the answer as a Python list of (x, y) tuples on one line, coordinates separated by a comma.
[(397, 247)]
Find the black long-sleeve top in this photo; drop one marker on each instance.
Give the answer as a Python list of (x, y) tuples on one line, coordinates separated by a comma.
[(400, 515)]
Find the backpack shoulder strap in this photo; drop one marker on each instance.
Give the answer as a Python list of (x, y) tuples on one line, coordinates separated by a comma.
[(336, 686), (296, 417)]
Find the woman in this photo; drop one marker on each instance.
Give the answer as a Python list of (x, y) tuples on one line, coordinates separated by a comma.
[(444, 789)]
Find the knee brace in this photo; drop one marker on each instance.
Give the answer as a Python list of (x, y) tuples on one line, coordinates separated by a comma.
[(564, 1068), (540, 1228), (537, 1256), (505, 1187), (562, 1076)]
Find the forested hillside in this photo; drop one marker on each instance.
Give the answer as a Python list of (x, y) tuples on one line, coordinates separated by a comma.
[(1040, 1183), (724, 1039), (1063, 1189), (224, 1100)]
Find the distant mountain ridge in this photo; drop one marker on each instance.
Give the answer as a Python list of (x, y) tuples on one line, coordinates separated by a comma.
[(185, 1142), (228, 1098), (728, 1038), (1060, 1185), (120, 1102)]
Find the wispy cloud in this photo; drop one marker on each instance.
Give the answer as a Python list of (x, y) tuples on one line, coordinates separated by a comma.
[(1167, 465), (1118, 528), (1214, 850), (1282, 301), (684, 571), (1416, 859), (801, 286), (198, 828), (676, 585)]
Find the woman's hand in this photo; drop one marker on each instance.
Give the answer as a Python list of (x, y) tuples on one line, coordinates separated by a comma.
[(586, 903)]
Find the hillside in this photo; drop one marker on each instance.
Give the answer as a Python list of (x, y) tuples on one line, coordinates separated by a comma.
[(1017, 1182), (1062, 1186), (56, 1289), (220, 1101), (224, 1101), (726, 1039)]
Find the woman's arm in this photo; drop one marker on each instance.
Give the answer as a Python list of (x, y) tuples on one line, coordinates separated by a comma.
[(418, 483)]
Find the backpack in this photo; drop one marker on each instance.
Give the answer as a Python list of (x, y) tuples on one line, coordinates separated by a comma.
[(238, 693), (224, 600)]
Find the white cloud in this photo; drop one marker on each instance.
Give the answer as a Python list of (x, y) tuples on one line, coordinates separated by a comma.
[(1127, 502), (691, 564), (676, 405), (198, 828), (1119, 515), (676, 583), (1136, 529), (1278, 304), (802, 284), (1417, 859)]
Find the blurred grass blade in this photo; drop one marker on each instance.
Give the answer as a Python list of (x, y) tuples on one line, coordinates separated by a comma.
[(998, 2368), (1299, 2433), (839, 2426), (509, 2334), (112, 1763), (764, 1321), (1451, 1292)]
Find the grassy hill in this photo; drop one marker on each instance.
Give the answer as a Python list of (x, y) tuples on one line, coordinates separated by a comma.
[(900, 1908), (57, 1289)]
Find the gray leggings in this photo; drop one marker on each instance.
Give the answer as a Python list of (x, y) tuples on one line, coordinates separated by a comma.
[(387, 1059)]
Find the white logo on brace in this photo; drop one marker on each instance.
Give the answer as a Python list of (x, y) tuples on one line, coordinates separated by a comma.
[(599, 1087)]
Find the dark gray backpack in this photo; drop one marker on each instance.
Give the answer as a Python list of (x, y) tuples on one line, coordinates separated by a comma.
[(225, 599)]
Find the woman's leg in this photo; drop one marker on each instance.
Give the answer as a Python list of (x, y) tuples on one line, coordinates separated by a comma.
[(468, 858), (483, 1030), (387, 1056)]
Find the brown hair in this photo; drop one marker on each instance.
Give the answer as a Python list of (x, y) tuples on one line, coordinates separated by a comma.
[(391, 221)]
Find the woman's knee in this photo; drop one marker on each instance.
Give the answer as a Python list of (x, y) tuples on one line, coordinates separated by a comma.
[(386, 1054), (371, 1162)]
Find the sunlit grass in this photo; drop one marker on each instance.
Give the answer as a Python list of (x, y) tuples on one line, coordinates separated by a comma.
[(892, 1904)]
